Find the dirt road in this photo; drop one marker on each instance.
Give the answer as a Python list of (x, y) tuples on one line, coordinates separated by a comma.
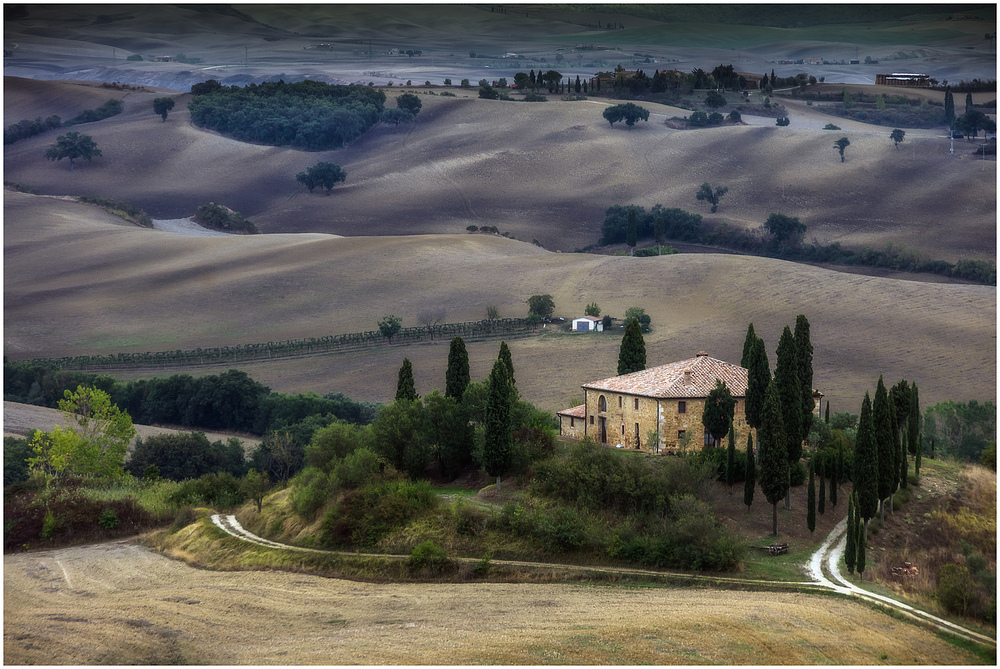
[(120, 603)]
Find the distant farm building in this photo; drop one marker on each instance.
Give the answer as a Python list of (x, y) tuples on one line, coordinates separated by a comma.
[(903, 79), (665, 403), (163, 59), (812, 61), (588, 324)]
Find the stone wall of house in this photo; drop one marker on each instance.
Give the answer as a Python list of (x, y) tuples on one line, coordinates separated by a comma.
[(571, 427), (630, 418)]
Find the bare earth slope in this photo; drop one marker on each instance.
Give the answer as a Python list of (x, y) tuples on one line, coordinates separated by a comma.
[(77, 281), (118, 603), (545, 171)]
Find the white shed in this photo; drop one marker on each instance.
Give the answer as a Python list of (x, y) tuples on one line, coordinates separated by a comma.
[(588, 324)]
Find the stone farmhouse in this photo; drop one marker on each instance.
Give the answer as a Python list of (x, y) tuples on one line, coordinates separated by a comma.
[(664, 402)]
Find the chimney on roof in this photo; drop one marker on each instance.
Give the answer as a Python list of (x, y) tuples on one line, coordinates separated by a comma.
[(702, 354), (687, 375)]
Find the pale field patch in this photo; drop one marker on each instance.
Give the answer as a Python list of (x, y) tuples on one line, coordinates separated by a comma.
[(121, 603)]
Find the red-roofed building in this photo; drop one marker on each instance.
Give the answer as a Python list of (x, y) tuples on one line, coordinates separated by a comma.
[(660, 405)]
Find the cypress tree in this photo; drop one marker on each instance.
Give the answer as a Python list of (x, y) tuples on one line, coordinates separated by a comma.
[(457, 376), (405, 389), (750, 484), (913, 421), (578, 83), (897, 446), (932, 454), (659, 227), (968, 102), (827, 412), (632, 353), (865, 474), (904, 465), (504, 356), (631, 233), (758, 378), (850, 550), (748, 345), (811, 501), (786, 378), (804, 361), (833, 484), (497, 444), (772, 444), (888, 472), (821, 503), (731, 459), (916, 462), (860, 559), (840, 464), (949, 107)]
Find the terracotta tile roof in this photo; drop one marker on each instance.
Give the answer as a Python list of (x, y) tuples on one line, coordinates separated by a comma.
[(670, 381), (575, 412)]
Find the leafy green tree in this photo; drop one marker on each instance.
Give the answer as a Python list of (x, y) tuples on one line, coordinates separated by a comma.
[(449, 432), (73, 145), (707, 194), (399, 435), (865, 474), (786, 378), (324, 174), (405, 389), (631, 236), (409, 103), (714, 100), (498, 444), (94, 444), (731, 459), (888, 471), (811, 501), (698, 119), (840, 145), (804, 364), (592, 310), (390, 326), (786, 230), (632, 352), (772, 449), (851, 549), (541, 305), (897, 136), (162, 106), (720, 406), (255, 485), (750, 484), (628, 112), (395, 116), (758, 378), (457, 377)]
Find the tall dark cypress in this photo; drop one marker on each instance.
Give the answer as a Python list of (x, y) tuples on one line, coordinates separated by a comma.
[(731, 459), (405, 389), (457, 376), (748, 344), (861, 558), (865, 474), (758, 378), (804, 360), (497, 444), (786, 378), (888, 472), (913, 421), (750, 484), (504, 355), (772, 444), (821, 502), (949, 107), (632, 352), (851, 549), (834, 483), (811, 501), (827, 421)]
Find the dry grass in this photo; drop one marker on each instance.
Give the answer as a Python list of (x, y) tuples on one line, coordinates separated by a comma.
[(120, 603)]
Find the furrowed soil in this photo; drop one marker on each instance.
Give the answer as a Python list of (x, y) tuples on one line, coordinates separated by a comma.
[(120, 603)]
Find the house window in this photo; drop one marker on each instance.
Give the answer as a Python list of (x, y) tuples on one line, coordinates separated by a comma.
[(591, 419), (602, 404), (623, 429), (571, 421), (637, 442), (709, 440), (636, 402), (619, 403), (682, 407)]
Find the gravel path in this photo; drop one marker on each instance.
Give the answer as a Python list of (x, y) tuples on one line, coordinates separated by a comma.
[(185, 226)]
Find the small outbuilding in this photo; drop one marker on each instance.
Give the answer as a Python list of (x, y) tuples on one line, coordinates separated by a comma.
[(588, 324)]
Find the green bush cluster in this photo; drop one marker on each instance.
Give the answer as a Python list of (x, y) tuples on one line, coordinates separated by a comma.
[(367, 514), (223, 491), (429, 557), (26, 128), (110, 108), (218, 217), (126, 210)]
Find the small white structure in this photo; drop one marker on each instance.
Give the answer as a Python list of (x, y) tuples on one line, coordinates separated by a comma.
[(588, 324)]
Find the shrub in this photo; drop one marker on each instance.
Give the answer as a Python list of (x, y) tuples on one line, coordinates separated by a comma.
[(134, 57), (469, 520), (184, 517), (219, 217), (797, 474), (535, 97), (310, 489), (427, 556), (830, 126), (367, 514), (108, 519), (216, 490), (108, 109), (955, 589)]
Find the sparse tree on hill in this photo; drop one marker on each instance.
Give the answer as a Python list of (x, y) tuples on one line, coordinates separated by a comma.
[(750, 484), (395, 116), (786, 378), (811, 501), (457, 377), (707, 194), (390, 326), (405, 389), (409, 103), (865, 474), (73, 145), (541, 305), (497, 443), (897, 136), (592, 310), (162, 106), (632, 352), (748, 344), (720, 406), (628, 112), (429, 318), (840, 145), (771, 445), (323, 174), (787, 230), (255, 485)]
